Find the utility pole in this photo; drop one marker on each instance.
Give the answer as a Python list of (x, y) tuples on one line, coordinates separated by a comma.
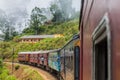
[(13, 61)]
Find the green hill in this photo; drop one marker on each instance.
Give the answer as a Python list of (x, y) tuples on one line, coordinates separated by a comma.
[(68, 29)]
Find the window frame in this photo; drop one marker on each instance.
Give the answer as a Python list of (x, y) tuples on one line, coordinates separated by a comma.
[(100, 32)]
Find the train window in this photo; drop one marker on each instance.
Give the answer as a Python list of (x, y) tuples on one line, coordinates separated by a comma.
[(101, 52)]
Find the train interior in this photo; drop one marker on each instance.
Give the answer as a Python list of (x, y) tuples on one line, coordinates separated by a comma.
[(101, 60)]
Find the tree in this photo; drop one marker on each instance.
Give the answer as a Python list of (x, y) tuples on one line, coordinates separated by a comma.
[(6, 27), (56, 12), (37, 19), (8, 32), (5, 50)]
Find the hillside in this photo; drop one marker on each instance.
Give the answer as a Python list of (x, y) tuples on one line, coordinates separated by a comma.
[(68, 29)]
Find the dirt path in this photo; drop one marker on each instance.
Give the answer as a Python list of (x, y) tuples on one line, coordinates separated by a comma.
[(44, 74)]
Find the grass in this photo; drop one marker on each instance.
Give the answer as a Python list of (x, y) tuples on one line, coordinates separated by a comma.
[(25, 73), (5, 74), (31, 74)]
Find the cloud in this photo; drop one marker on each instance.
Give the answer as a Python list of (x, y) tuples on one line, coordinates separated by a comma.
[(9, 5)]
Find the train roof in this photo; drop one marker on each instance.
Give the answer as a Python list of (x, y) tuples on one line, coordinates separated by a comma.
[(39, 52), (33, 52), (73, 38), (24, 52), (55, 50)]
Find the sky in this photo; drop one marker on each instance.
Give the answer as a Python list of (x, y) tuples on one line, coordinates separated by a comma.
[(19, 8), (11, 5)]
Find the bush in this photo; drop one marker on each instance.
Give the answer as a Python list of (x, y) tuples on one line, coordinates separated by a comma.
[(1, 63), (5, 75), (17, 67), (10, 78)]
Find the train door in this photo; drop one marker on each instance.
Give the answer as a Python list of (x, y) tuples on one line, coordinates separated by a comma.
[(101, 52), (76, 62)]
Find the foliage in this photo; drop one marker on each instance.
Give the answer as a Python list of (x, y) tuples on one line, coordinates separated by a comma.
[(37, 19), (68, 29), (17, 67), (5, 75), (30, 74), (6, 27), (1, 63), (5, 49), (56, 12), (62, 10)]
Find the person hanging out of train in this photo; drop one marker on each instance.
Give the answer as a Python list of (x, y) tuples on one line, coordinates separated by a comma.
[(42, 60)]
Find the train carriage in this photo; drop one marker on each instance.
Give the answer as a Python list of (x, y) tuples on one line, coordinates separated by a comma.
[(43, 59), (23, 56), (45, 55), (100, 35), (54, 60), (69, 58), (34, 58), (31, 58)]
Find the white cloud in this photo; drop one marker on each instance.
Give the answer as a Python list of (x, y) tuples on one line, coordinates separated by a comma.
[(38, 3)]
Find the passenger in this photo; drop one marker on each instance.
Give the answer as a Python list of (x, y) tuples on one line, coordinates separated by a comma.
[(42, 59)]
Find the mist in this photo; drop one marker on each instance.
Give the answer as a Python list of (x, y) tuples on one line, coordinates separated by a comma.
[(18, 11)]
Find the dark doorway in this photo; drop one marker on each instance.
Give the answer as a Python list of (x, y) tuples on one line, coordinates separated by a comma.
[(101, 60)]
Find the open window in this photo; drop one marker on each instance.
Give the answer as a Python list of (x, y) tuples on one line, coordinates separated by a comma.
[(102, 51)]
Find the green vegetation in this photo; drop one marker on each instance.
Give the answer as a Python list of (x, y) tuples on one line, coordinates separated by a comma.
[(4, 72), (30, 74), (64, 20), (24, 72), (17, 67), (5, 75), (68, 29)]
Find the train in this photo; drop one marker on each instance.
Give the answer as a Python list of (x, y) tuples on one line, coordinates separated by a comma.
[(63, 62), (96, 54)]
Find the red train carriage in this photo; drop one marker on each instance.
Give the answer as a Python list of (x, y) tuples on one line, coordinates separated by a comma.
[(45, 55), (23, 56), (31, 58), (100, 35), (43, 58), (34, 58)]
